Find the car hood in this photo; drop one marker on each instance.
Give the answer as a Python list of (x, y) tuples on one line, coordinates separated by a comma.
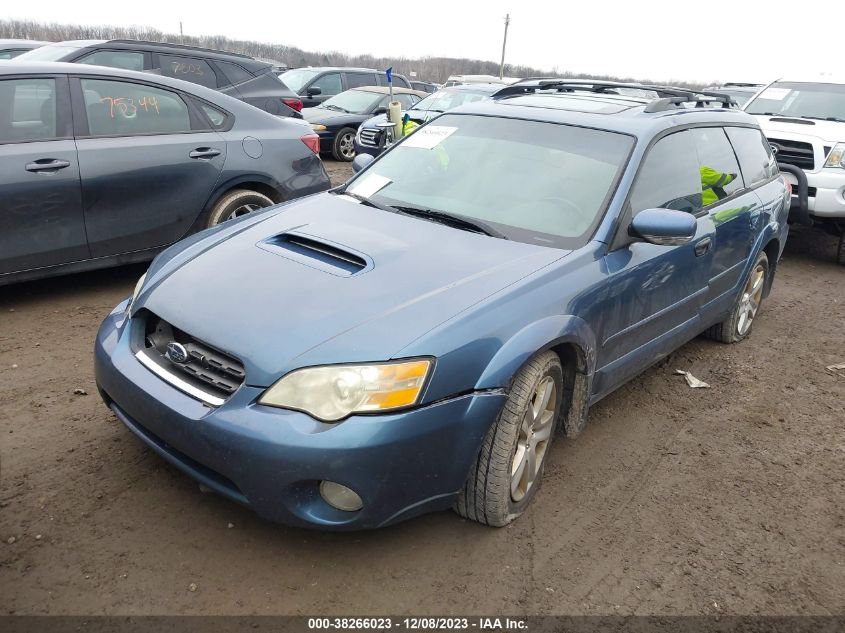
[(327, 279), (830, 132), (331, 117)]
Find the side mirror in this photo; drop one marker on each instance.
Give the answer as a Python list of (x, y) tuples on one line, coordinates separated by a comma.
[(313, 91), (664, 227), (361, 161), (380, 110)]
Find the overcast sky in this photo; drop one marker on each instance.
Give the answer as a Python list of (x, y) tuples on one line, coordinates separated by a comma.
[(733, 41)]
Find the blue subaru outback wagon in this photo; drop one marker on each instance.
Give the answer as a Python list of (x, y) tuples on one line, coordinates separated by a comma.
[(412, 340)]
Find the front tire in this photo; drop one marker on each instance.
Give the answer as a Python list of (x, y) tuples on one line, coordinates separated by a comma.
[(509, 468), (235, 204), (343, 147), (738, 325)]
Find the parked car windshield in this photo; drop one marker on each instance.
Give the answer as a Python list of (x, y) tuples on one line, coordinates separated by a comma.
[(443, 100), (800, 99), (357, 101), (49, 53), (535, 182), (296, 79)]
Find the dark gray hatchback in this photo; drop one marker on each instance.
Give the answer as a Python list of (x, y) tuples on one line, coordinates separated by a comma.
[(100, 166), (239, 76)]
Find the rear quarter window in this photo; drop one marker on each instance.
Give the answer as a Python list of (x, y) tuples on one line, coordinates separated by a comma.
[(190, 69), (754, 154), (234, 74)]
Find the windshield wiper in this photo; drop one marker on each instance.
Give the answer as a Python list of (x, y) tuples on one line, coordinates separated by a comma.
[(332, 106), (368, 201), (458, 221)]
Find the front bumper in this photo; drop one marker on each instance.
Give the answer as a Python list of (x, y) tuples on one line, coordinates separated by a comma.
[(367, 149), (272, 460), (826, 198)]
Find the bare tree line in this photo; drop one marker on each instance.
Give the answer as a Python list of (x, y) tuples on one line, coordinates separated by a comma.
[(436, 69)]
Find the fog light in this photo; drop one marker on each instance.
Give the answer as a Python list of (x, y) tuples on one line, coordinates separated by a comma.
[(340, 497)]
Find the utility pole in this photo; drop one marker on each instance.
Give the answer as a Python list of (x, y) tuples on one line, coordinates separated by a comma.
[(504, 42), (182, 35)]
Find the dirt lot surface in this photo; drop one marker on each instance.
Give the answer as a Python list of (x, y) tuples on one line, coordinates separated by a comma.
[(672, 501)]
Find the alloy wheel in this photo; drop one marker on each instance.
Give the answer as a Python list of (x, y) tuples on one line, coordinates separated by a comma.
[(347, 145), (534, 436), (750, 301), (241, 210)]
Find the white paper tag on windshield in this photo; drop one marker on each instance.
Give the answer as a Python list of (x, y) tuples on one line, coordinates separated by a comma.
[(429, 137), (775, 94), (369, 184)]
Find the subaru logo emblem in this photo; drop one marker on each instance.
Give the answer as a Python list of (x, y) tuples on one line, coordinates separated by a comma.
[(775, 148), (176, 352)]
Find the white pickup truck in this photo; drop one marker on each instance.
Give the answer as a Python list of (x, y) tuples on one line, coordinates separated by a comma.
[(804, 122)]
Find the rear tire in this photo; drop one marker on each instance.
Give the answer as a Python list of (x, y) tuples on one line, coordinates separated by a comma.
[(235, 204), (504, 477), (840, 251), (343, 147), (738, 325)]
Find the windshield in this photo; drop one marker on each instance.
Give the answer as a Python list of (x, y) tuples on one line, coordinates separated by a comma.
[(443, 100), (535, 182), (49, 53), (296, 79), (357, 101), (798, 99)]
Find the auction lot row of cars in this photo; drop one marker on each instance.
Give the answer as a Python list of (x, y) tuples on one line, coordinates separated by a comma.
[(411, 340)]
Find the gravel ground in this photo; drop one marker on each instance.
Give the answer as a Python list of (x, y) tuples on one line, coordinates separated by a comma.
[(672, 501)]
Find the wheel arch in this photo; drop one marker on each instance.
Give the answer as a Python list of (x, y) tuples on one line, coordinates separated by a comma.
[(252, 182), (572, 340)]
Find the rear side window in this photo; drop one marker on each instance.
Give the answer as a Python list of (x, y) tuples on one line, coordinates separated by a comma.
[(217, 117), (188, 68), (717, 166), (357, 80), (27, 110), (118, 108), (669, 176), (234, 74), (128, 60), (755, 155), (328, 84)]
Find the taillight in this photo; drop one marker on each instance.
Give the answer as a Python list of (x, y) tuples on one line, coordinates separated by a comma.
[(788, 185), (313, 142), (291, 102)]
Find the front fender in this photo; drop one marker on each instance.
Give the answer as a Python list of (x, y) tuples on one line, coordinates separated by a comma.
[(539, 336)]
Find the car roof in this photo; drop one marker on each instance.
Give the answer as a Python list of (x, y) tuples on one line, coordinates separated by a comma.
[(342, 68), (484, 88), (612, 112), (165, 46), (396, 90), (27, 43)]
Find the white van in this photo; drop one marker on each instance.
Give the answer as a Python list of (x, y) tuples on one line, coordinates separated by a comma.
[(804, 122)]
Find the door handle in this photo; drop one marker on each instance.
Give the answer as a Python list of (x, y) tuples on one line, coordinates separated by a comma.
[(47, 164), (702, 246), (204, 152)]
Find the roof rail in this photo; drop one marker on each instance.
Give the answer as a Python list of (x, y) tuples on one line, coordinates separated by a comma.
[(668, 97), (181, 46)]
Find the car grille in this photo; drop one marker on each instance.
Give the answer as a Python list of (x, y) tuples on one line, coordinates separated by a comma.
[(205, 368), (794, 153), (370, 137)]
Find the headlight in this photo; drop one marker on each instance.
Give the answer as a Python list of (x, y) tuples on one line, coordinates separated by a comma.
[(836, 158), (333, 392), (136, 291), (318, 128)]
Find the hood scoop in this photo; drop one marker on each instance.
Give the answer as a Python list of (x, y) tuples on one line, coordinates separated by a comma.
[(318, 253)]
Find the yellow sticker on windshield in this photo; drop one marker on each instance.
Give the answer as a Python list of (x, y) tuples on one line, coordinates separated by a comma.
[(429, 137)]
